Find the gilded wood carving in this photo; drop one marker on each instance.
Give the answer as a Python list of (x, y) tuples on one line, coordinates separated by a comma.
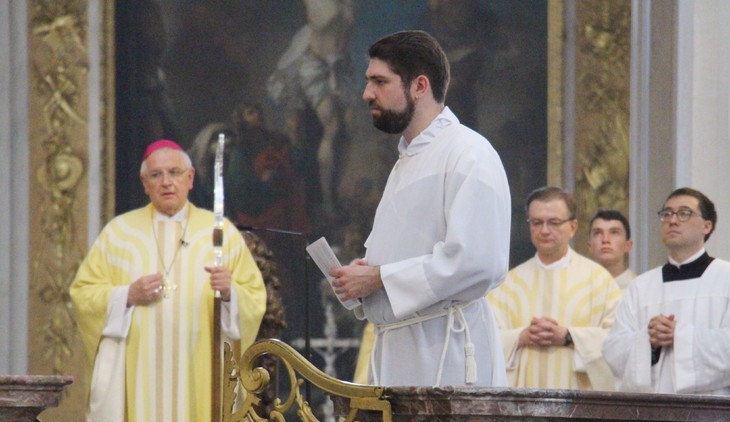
[(59, 74), (244, 382), (58, 58), (602, 109)]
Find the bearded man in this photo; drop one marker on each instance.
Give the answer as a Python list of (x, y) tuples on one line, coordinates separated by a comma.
[(440, 237)]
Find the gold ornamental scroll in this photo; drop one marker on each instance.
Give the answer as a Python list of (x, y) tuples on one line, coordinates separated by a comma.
[(555, 107), (58, 56), (245, 384), (602, 75)]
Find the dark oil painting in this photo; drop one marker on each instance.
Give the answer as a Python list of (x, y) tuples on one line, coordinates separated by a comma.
[(283, 80)]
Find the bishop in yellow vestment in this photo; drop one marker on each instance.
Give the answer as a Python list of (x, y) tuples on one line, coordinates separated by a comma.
[(144, 301)]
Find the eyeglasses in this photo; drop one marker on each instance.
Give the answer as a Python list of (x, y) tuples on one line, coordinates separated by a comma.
[(158, 175), (553, 223), (682, 215)]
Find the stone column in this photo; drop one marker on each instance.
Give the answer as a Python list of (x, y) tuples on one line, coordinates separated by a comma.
[(70, 118)]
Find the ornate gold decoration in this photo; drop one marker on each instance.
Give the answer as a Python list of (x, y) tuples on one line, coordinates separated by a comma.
[(59, 69), (255, 380), (273, 322), (555, 42), (602, 108)]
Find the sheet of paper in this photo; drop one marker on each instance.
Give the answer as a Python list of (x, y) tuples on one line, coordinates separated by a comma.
[(325, 258)]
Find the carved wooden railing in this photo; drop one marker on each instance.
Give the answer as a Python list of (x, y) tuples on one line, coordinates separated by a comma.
[(446, 404), (242, 406)]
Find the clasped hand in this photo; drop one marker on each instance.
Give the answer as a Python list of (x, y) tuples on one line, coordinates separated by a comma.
[(661, 330), (543, 331)]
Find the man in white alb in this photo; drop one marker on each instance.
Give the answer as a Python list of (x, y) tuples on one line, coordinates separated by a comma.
[(672, 329), (440, 238)]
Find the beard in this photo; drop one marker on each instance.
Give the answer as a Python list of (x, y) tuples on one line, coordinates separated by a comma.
[(392, 121)]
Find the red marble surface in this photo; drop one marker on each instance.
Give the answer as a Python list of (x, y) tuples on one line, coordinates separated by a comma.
[(23, 397), (410, 404)]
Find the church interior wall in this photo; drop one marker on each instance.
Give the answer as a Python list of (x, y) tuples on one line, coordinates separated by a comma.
[(653, 169), (704, 129), (14, 187), (682, 139)]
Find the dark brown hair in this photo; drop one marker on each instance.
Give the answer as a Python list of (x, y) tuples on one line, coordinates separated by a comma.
[(707, 207), (410, 54), (610, 215), (549, 193)]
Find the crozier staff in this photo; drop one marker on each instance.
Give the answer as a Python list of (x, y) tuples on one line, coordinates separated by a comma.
[(144, 300)]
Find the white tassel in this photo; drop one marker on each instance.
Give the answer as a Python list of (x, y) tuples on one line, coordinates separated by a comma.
[(471, 364)]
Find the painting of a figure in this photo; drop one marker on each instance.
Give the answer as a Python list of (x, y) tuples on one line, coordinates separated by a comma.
[(283, 80)]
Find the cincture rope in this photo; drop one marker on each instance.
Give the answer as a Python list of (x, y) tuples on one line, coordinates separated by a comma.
[(454, 314)]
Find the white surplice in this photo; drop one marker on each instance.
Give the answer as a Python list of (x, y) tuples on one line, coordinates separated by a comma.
[(698, 362), (441, 237), (625, 278)]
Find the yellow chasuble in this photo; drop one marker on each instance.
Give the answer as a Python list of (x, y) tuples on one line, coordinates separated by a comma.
[(581, 296), (167, 374)]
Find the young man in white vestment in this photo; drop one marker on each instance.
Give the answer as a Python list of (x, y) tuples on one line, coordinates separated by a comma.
[(555, 309), (143, 299), (440, 237), (609, 243), (672, 330)]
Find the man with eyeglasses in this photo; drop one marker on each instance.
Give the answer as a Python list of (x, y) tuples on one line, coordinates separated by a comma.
[(672, 329), (555, 309), (609, 242), (143, 299)]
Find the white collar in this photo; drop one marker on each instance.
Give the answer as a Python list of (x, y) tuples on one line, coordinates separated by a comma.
[(445, 119), (627, 273), (557, 265), (688, 260), (179, 216)]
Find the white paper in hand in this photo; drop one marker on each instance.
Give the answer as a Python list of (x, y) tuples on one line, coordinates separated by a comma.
[(325, 258)]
